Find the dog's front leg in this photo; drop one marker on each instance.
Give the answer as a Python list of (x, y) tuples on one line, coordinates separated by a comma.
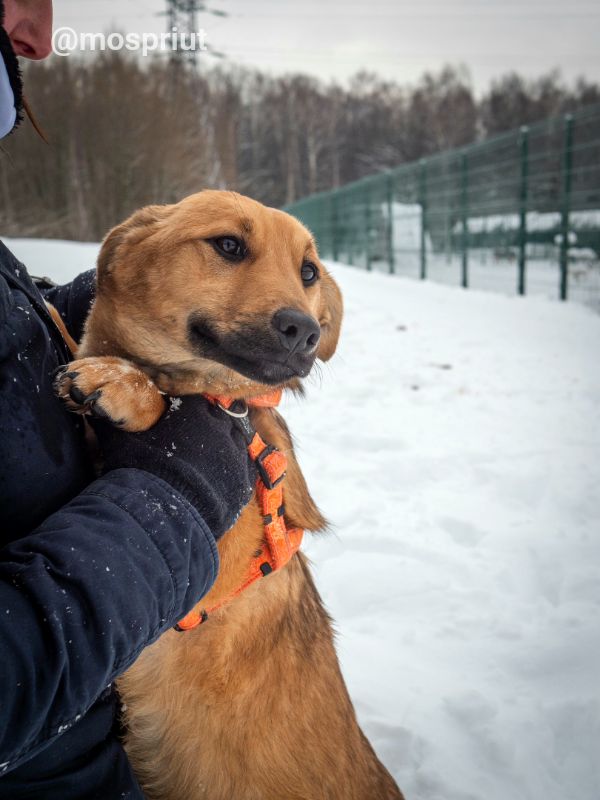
[(111, 388)]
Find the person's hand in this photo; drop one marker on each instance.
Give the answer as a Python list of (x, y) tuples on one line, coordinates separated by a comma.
[(197, 449)]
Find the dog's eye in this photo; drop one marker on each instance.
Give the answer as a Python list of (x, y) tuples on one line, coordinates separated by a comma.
[(309, 273), (230, 247)]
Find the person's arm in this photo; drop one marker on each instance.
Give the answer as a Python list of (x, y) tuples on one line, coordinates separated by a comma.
[(84, 594), (122, 562)]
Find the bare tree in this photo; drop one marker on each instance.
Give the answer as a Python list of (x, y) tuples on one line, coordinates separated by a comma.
[(125, 133)]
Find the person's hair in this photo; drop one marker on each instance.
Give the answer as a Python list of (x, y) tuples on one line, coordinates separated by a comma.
[(32, 118)]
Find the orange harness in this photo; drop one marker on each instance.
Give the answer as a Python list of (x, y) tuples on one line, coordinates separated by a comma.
[(279, 543)]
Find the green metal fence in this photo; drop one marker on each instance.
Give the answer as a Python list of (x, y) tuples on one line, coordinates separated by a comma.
[(516, 213)]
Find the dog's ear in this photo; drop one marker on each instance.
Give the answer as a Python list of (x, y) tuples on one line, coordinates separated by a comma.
[(137, 227), (330, 316)]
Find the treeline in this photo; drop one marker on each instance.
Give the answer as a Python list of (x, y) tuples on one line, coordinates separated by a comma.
[(123, 134)]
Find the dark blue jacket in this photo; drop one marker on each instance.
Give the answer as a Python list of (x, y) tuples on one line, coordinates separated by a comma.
[(91, 571)]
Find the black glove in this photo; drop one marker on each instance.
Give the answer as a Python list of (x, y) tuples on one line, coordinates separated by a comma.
[(197, 449)]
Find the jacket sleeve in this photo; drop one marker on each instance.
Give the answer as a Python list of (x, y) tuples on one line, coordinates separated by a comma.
[(73, 301), (83, 595)]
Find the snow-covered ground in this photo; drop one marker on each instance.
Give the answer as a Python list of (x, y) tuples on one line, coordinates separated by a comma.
[(52, 258), (453, 443)]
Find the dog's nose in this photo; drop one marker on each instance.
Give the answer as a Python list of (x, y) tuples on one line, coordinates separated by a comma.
[(297, 332)]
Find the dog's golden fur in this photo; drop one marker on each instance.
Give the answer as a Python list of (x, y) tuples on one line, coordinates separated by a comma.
[(252, 704)]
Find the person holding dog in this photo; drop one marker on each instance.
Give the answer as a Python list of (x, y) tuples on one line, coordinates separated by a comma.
[(92, 570)]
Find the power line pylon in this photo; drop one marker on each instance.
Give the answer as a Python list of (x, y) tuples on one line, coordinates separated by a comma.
[(182, 21)]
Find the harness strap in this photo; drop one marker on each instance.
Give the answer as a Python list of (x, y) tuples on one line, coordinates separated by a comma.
[(270, 400), (280, 543)]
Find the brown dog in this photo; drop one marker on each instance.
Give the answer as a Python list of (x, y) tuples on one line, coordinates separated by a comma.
[(220, 295)]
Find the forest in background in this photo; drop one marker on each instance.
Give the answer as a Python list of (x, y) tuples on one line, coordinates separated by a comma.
[(123, 134)]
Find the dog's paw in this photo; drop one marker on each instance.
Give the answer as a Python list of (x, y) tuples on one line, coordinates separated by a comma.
[(113, 389)]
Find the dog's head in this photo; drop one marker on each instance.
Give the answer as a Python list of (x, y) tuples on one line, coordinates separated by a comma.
[(216, 293)]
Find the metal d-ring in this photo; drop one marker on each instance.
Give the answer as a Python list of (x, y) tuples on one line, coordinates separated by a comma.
[(237, 415)]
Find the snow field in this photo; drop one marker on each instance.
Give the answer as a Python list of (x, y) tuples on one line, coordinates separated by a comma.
[(452, 444)]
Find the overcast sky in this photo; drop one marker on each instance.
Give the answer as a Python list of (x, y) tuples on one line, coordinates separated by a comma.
[(401, 40)]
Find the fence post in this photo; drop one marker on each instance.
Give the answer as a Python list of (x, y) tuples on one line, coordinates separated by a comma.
[(349, 213), (334, 226), (367, 231), (465, 220), (524, 147), (423, 204), (390, 227), (567, 171)]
